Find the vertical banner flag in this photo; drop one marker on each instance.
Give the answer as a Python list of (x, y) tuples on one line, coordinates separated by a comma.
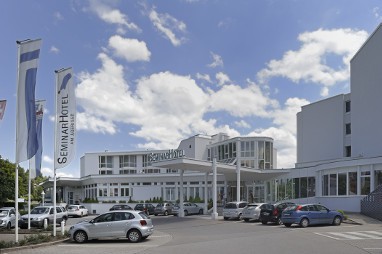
[(26, 136), (36, 160), (3, 103), (65, 118)]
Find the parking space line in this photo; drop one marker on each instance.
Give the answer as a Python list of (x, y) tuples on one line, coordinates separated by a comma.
[(360, 235)]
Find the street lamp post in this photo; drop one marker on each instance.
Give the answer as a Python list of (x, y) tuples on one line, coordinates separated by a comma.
[(43, 197)]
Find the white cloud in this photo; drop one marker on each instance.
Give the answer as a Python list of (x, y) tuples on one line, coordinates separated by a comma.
[(309, 63), (242, 124), (58, 16), (376, 12), (130, 49), (48, 172), (242, 102), (222, 78), (204, 77), (47, 159), (217, 61), (112, 16), (54, 50), (168, 26), (166, 108)]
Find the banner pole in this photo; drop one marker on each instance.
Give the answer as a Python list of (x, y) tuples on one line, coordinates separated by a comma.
[(29, 196)]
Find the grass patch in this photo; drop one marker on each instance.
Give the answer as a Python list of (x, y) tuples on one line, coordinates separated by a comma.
[(33, 239)]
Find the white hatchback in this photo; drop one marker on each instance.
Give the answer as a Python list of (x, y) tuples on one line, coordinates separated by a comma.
[(77, 210)]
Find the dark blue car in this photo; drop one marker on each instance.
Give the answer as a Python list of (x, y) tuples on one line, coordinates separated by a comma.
[(310, 214)]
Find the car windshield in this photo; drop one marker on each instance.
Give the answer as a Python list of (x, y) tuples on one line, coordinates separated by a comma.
[(251, 205), (40, 210), (3, 213), (230, 205), (159, 205)]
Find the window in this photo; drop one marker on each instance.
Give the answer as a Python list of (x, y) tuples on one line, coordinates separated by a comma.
[(105, 161), (303, 187), (311, 186), (128, 161), (325, 185), (365, 183), (352, 183), (347, 151), (348, 128), (341, 184), (333, 184), (347, 106)]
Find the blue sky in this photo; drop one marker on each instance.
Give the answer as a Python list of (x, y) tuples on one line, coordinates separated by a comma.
[(151, 73)]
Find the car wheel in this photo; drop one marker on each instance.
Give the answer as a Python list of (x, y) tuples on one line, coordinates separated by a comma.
[(80, 236), (225, 218), (337, 221), (304, 222), (134, 235), (200, 211), (155, 214), (246, 219), (23, 226), (287, 225), (9, 225), (185, 213), (264, 222), (165, 213), (279, 221), (240, 217)]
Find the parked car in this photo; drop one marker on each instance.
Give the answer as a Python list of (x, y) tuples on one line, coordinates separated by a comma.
[(8, 217), (147, 208), (234, 210), (77, 210), (134, 225), (189, 208), (273, 213), (43, 214), (163, 209), (252, 211), (120, 207), (310, 214)]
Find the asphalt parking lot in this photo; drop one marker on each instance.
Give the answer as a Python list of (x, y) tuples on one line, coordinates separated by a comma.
[(201, 234)]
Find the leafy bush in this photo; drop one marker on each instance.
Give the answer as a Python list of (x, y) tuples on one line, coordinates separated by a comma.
[(343, 214)]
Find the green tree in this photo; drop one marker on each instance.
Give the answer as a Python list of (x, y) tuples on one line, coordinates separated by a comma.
[(7, 182)]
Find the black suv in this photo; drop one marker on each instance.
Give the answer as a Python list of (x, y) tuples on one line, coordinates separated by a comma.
[(120, 207), (273, 213), (147, 208)]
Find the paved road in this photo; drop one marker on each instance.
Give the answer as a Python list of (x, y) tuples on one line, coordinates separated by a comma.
[(200, 234)]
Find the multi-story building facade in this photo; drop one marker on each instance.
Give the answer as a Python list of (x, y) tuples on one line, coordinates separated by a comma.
[(124, 176), (339, 143)]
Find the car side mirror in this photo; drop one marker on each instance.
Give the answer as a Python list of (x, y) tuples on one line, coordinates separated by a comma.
[(91, 221)]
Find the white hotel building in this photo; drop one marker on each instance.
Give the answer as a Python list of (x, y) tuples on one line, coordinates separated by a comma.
[(339, 156)]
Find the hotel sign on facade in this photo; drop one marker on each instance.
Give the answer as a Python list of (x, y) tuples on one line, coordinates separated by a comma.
[(171, 154)]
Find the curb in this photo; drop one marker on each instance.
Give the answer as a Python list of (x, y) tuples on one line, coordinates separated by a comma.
[(31, 246)]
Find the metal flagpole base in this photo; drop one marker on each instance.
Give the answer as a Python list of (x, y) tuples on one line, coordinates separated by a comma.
[(214, 216)]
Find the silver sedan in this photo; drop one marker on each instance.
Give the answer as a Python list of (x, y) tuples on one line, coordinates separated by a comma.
[(251, 212)]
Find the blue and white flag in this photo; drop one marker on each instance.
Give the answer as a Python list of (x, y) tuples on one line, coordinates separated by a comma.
[(26, 135), (65, 118), (35, 162), (3, 103)]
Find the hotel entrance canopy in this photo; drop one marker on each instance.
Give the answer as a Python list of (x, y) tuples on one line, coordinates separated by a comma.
[(229, 171)]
